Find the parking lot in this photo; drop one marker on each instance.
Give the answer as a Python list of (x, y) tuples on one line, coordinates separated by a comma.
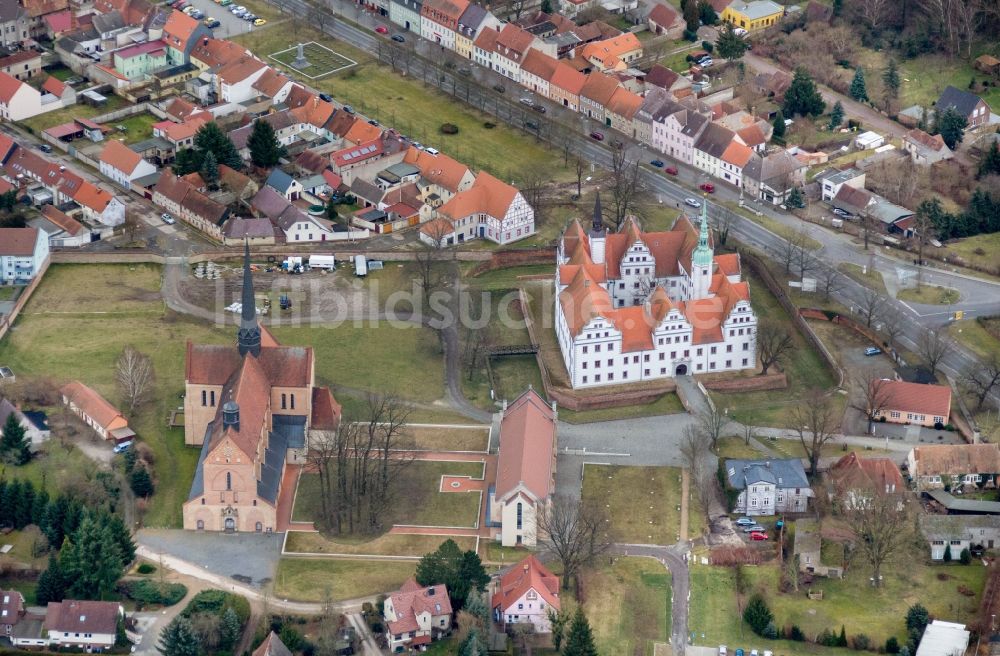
[(230, 25)]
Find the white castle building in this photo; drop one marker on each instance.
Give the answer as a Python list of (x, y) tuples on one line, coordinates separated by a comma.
[(635, 306)]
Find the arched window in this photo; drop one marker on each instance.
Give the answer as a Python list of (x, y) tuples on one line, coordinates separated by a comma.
[(293, 401), (284, 401), (519, 515), (259, 527), (229, 481), (201, 525)]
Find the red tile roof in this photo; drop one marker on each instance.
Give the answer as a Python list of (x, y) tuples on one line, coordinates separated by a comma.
[(917, 136), (599, 88), (624, 103), (487, 195), (326, 412), (412, 600), (119, 156), (663, 15), (362, 131), (737, 154), (213, 364), (568, 78), (54, 86), (59, 22), (272, 646), (956, 459), (179, 28), (930, 400), (91, 403), (71, 616), (855, 472), (527, 451), (9, 86), (61, 219), (216, 52), (539, 64), (18, 241), (529, 574), (92, 197)]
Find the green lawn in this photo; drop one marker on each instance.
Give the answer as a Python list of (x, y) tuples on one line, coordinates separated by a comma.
[(735, 447), (66, 114), (28, 588), (384, 545), (311, 579), (418, 483), (492, 551), (850, 602), (439, 438), (74, 328), (668, 404), (642, 503), (925, 77), (9, 292), (412, 108), (981, 249), (871, 279), (804, 367), (138, 127), (930, 295), (975, 337), (628, 604), (506, 279)]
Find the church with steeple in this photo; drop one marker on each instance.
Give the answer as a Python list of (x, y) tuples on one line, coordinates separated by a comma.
[(251, 409), (635, 306)]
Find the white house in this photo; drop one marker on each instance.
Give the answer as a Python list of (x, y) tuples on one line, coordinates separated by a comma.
[(925, 149), (955, 533), (634, 306), (524, 594), (768, 487), (122, 164), (63, 230), (944, 639), (19, 100), (95, 411), (490, 209), (23, 254), (36, 434), (934, 466), (236, 79), (72, 624), (526, 469), (676, 126), (831, 181), (416, 615)]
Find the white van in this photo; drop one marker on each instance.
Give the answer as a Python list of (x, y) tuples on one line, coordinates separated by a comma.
[(360, 266), (432, 151), (121, 448)]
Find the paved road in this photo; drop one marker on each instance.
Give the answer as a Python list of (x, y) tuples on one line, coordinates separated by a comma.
[(674, 558)]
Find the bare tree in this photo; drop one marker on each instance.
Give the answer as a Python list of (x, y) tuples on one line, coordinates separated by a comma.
[(829, 281), (723, 226), (874, 12), (694, 451), (580, 168), (981, 378), (574, 532), (135, 376), (749, 419), (626, 185), (131, 226), (814, 419), (774, 342), (892, 325), (922, 229), (477, 341), (871, 305), (934, 345), (873, 395), (881, 524), (710, 426)]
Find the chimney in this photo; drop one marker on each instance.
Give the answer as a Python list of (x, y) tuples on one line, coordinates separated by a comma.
[(526, 567), (430, 591)]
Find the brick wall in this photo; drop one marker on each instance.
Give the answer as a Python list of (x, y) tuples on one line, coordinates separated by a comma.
[(7, 321), (774, 381), (517, 257)]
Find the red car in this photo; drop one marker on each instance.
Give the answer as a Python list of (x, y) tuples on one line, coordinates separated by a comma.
[(672, 170), (707, 187), (757, 536), (382, 29), (597, 136)]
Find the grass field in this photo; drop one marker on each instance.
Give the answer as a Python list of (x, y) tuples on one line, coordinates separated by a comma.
[(66, 114), (384, 545), (9, 292), (440, 438), (982, 249), (322, 60), (668, 404), (930, 295), (419, 483), (975, 337), (642, 503), (317, 580), (65, 333), (735, 447), (138, 127), (414, 109), (804, 367), (628, 604), (871, 279)]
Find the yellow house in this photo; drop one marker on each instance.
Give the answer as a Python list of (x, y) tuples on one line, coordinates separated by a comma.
[(755, 15)]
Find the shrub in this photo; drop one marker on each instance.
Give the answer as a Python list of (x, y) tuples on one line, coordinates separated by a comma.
[(861, 642), (965, 557), (216, 602), (148, 592), (707, 46), (770, 631), (449, 128), (489, 125), (947, 553), (146, 568), (892, 645), (826, 638), (795, 633), (292, 638), (688, 36), (757, 614)]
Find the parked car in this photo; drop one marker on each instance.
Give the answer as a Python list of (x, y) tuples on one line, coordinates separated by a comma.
[(754, 652), (843, 213), (190, 9), (212, 23), (693, 202), (758, 536), (722, 650), (399, 38), (657, 163), (539, 108), (671, 170), (432, 151), (499, 88), (249, 17), (597, 136), (527, 101), (197, 14), (872, 350), (745, 521), (756, 528), (464, 71), (977, 550), (382, 29), (169, 220), (531, 125), (326, 97), (45, 148), (739, 31), (739, 652), (372, 121), (348, 109), (260, 21), (707, 187), (121, 448)]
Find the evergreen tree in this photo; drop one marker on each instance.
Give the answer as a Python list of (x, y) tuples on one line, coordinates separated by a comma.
[(802, 96), (9, 502), (842, 640), (891, 83), (580, 640), (122, 537), (547, 6), (265, 149), (210, 138), (691, 16), (129, 458), (947, 553), (187, 160), (557, 622), (706, 13), (92, 560), (473, 645), (25, 502), (838, 7), (39, 507), (51, 583), (179, 639), (141, 482), (757, 614), (477, 605), (836, 116), (779, 126), (951, 126), (460, 571), (15, 447), (230, 628), (795, 199), (990, 163), (859, 90), (210, 170), (331, 209), (892, 645), (730, 45)]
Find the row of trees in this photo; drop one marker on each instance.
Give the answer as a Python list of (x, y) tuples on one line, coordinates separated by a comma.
[(15, 447), (213, 147), (982, 215)]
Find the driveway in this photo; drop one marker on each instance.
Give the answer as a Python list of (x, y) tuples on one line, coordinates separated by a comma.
[(230, 25), (253, 557)]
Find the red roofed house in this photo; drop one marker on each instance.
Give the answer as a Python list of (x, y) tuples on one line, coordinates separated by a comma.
[(417, 616), (251, 409), (525, 470), (524, 594), (925, 149), (60, 90), (855, 477), (439, 20), (662, 302), (63, 230), (23, 254), (95, 411), (935, 466), (89, 625), (664, 19), (122, 164), (490, 209), (913, 403), (19, 100), (181, 34), (11, 610)]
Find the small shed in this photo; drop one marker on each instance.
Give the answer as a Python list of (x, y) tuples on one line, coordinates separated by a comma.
[(988, 64), (809, 547), (868, 140)]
